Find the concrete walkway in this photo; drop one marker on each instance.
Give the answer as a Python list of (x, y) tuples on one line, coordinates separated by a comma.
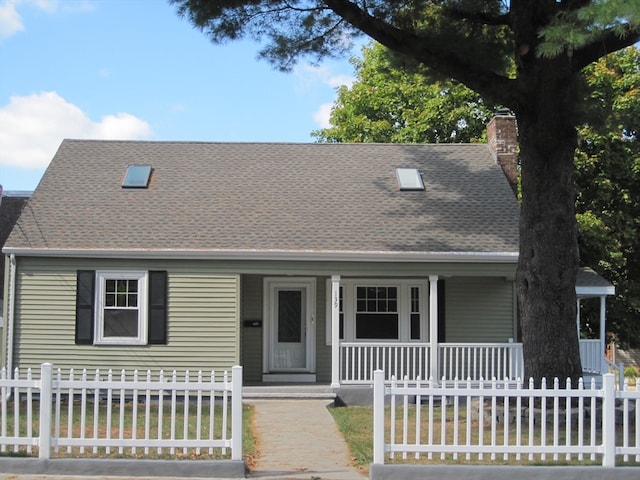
[(298, 439)]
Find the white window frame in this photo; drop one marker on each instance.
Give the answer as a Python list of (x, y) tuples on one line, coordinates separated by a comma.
[(143, 282), (349, 286)]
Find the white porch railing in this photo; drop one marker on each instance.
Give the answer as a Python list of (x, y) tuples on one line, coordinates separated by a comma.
[(483, 361), (591, 355), (359, 360), (473, 361), (118, 412)]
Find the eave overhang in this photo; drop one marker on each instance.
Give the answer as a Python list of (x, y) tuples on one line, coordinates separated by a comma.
[(271, 255)]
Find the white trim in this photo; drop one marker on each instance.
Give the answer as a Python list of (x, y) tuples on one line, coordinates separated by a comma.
[(334, 328), (595, 291), (143, 280), (252, 254), (271, 284), (433, 326)]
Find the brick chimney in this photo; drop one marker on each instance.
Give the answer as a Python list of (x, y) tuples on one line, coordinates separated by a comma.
[(503, 141)]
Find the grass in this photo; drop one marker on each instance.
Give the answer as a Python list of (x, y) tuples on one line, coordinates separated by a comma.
[(103, 429), (356, 425)]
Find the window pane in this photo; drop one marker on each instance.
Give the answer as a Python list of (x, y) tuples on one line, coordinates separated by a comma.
[(289, 316), (415, 326), (377, 326), (110, 300), (121, 300), (415, 313), (120, 323)]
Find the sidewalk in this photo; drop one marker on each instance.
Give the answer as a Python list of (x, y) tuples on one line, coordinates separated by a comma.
[(297, 440)]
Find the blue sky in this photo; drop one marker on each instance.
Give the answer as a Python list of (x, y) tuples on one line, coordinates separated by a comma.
[(133, 69)]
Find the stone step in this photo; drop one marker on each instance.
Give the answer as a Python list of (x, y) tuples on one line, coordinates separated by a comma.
[(289, 391)]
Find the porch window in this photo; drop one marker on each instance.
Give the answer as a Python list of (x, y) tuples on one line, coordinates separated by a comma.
[(121, 314), (415, 316), (377, 313)]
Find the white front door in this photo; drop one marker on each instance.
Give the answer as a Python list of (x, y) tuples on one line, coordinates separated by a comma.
[(290, 332)]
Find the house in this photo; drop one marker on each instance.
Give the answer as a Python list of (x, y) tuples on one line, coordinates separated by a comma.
[(301, 262), (11, 204)]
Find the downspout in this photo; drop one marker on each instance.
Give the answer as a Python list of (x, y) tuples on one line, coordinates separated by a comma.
[(10, 312), (10, 317)]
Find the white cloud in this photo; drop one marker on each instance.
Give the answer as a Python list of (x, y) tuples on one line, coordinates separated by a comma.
[(10, 19), (321, 116), (32, 127), (309, 75)]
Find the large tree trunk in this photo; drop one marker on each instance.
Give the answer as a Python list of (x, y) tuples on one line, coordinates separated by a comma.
[(548, 261)]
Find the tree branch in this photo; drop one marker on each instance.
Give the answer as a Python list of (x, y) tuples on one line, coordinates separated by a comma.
[(609, 43), (496, 88)]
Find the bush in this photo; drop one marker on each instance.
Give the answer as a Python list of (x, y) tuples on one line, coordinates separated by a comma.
[(631, 372)]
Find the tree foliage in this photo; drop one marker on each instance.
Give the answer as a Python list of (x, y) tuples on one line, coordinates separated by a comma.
[(388, 104), (608, 181), (395, 105), (476, 42)]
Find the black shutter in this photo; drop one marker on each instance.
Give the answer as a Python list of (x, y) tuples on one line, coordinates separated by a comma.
[(85, 299), (442, 323), (157, 308)]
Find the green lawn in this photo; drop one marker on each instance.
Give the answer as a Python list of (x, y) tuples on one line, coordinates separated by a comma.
[(88, 430), (356, 425)]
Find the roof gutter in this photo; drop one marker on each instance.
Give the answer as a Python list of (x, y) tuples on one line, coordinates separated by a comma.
[(257, 255)]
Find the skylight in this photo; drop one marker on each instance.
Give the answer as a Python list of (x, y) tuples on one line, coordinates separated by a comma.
[(409, 179), (137, 176)]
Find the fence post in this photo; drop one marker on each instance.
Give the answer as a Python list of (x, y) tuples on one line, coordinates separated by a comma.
[(46, 397), (236, 413), (609, 420), (378, 417)]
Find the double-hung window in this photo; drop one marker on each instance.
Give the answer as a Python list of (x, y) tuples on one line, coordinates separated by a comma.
[(121, 307), (121, 314), (377, 313)]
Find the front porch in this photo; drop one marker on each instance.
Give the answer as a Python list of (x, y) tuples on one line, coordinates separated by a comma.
[(337, 330)]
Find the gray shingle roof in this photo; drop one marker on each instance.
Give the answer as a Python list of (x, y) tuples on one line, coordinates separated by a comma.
[(270, 197)]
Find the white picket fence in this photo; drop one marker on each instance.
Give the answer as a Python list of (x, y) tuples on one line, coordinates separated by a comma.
[(140, 413), (471, 421)]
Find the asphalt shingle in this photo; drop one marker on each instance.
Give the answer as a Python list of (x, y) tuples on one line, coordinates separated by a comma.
[(270, 197)]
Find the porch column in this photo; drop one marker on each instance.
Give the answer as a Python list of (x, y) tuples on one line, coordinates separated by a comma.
[(433, 327), (603, 333), (335, 331)]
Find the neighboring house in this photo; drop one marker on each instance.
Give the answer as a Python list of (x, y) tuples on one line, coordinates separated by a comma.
[(11, 204), (301, 262)]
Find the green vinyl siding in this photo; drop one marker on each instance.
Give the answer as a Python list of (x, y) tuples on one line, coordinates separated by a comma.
[(479, 310), (203, 312)]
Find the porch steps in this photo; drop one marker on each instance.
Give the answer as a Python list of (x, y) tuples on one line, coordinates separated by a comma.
[(288, 391)]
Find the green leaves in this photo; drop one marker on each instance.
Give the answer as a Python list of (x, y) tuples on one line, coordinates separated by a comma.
[(571, 29), (396, 105)]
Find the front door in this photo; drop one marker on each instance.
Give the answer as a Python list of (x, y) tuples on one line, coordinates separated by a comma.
[(291, 325)]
